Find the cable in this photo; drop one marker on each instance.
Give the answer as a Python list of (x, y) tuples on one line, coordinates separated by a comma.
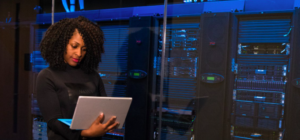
[(288, 32)]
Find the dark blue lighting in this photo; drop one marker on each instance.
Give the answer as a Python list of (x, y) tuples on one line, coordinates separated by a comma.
[(114, 134), (256, 135), (65, 4), (243, 138), (258, 102), (258, 71)]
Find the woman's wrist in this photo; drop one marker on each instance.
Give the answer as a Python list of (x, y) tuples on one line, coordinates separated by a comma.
[(84, 133)]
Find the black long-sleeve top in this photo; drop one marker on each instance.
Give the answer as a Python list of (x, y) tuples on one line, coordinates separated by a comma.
[(57, 94)]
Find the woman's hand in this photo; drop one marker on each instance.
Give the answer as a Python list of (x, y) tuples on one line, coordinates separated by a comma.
[(97, 129)]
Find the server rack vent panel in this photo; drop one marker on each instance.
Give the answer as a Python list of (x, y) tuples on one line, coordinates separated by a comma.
[(113, 67)]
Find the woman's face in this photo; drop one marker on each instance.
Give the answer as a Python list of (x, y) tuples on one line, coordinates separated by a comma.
[(75, 50)]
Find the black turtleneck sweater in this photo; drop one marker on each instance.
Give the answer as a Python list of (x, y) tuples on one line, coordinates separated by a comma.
[(57, 94)]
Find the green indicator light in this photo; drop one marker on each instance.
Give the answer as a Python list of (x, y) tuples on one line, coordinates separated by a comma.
[(210, 78), (136, 74), (192, 129)]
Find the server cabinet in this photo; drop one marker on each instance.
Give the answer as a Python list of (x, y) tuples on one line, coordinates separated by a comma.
[(212, 79), (180, 79), (261, 69)]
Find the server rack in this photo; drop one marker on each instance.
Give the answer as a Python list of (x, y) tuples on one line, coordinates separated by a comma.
[(213, 77), (261, 68), (180, 78), (141, 76)]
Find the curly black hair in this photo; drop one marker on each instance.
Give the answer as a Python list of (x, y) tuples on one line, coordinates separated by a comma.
[(53, 45)]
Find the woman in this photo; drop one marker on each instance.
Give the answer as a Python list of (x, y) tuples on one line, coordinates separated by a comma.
[(73, 49)]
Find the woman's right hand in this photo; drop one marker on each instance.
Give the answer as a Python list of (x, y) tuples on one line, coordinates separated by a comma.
[(97, 129)]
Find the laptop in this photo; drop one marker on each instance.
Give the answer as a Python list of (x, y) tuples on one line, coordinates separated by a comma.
[(88, 108)]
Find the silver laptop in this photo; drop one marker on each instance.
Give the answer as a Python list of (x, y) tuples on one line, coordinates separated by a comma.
[(88, 108)]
